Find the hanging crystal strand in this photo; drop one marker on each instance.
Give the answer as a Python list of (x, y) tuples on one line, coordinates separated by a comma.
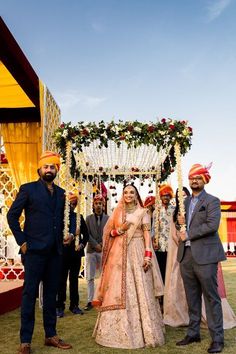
[(89, 189), (180, 183), (109, 196), (157, 208), (78, 219), (67, 182)]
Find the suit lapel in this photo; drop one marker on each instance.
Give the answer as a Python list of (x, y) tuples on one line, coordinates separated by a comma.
[(198, 205)]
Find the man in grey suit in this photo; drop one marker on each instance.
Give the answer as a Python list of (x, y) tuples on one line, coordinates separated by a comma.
[(199, 252), (95, 224)]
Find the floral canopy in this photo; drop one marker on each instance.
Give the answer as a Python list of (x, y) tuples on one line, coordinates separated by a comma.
[(121, 151), (125, 148)]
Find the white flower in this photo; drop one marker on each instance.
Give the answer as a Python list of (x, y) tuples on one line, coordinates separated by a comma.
[(137, 129), (65, 134)]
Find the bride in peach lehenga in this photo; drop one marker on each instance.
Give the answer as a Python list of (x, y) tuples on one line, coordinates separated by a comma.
[(130, 284)]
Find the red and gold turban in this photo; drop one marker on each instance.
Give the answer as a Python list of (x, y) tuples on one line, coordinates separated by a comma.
[(200, 170), (166, 189), (150, 200), (99, 197), (49, 158), (73, 198)]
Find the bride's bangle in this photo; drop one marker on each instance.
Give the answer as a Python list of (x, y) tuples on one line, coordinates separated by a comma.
[(116, 232), (148, 253)]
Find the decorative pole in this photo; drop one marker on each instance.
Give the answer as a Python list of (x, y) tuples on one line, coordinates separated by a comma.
[(157, 209), (67, 182), (78, 219), (180, 183)]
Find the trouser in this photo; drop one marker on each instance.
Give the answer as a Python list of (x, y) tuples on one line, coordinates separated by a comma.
[(70, 265), (161, 259), (37, 268), (93, 261), (202, 279)]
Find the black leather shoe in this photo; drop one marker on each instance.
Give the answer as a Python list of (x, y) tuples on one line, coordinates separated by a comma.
[(88, 307), (188, 340), (216, 347)]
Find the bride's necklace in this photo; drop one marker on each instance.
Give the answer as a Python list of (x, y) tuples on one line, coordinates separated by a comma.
[(130, 208)]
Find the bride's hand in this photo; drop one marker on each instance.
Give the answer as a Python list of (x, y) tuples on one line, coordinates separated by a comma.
[(125, 226), (146, 265)]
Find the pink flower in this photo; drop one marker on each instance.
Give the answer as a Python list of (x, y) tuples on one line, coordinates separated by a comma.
[(122, 137), (62, 126)]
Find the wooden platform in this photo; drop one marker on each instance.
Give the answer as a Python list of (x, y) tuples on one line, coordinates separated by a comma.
[(10, 295)]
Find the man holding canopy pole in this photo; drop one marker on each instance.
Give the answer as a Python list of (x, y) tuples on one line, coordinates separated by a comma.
[(41, 244), (199, 252)]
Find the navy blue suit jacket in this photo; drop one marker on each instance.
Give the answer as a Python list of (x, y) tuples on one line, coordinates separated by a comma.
[(43, 227)]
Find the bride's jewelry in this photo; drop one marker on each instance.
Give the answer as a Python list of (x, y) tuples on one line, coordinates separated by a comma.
[(130, 208)]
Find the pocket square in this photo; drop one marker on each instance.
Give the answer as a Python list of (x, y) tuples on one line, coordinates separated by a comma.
[(202, 208)]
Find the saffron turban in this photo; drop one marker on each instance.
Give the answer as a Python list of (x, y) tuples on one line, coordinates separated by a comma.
[(150, 200), (200, 170), (166, 189), (49, 158), (99, 197), (73, 198)]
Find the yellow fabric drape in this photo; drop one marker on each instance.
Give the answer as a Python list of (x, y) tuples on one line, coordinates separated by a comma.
[(223, 228), (11, 93), (22, 142)]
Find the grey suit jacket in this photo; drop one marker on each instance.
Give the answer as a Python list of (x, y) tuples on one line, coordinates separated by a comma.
[(206, 246), (95, 231)]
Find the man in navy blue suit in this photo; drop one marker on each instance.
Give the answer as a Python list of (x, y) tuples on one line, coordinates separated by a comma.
[(41, 244)]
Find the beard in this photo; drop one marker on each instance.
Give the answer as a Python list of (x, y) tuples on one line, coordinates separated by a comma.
[(48, 177)]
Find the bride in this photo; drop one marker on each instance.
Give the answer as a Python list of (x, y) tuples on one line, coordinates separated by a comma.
[(130, 283)]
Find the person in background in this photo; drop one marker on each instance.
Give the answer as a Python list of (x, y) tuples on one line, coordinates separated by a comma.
[(95, 224), (41, 244), (149, 203), (165, 217), (199, 252), (71, 266)]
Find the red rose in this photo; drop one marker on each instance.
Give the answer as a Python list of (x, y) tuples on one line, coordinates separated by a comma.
[(85, 132), (62, 126), (151, 128), (163, 120), (130, 128), (172, 127), (190, 129), (183, 122)]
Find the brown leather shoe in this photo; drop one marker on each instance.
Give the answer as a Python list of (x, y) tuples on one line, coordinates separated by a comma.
[(24, 348), (57, 342)]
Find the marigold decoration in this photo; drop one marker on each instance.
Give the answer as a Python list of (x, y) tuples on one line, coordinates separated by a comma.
[(180, 183)]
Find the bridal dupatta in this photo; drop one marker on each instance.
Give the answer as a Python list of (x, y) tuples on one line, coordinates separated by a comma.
[(111, 289)]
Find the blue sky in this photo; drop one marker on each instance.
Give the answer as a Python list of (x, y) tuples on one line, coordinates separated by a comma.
[(140, 59)]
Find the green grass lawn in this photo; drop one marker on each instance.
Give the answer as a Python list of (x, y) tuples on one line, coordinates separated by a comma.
[(77, 329)]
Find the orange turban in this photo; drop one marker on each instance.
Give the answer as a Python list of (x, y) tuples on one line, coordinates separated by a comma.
[(49, 158), (166, 189), (200, 170), (99, 197), (150, 200), (73, 198)]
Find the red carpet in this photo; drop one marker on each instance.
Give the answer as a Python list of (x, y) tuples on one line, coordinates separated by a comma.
[(10, 295)]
